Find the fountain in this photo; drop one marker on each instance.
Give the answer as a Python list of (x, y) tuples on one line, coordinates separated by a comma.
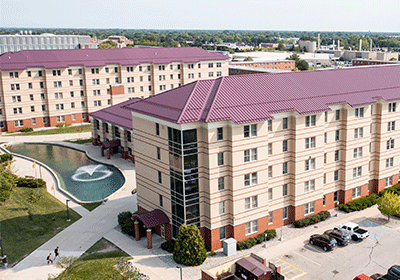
[(100, 171)]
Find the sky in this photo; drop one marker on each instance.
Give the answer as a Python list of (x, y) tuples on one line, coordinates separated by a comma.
[(311, 15)]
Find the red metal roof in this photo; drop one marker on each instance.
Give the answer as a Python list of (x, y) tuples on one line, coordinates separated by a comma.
[(51, 59), (253, 98), (152, 218), (254, 266)]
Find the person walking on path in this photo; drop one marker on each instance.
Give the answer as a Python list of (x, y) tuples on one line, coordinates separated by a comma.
[(49, 260), (56, 253), (5, 262)]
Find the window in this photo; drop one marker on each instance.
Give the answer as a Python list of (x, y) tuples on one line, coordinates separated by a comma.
[(161, 67), (284, 168), (179, 75), (41, 84), (309, 164), (337, 155), (309, 208), (221, 183), (326, 116), (324, 200), (270, 171), (219, 73), (160, 200), (43, 107), (250, 202), (358, 133), (32, 108), (251, 227), (30, 85), (391, 126), (33, 120), (210, 74), (250, 179), (140, 68), (40, 73), (270, 217), (73, 117), (221, 207), (19, 123), (82, 104), (106, 127), (284, 213), (250, 130), (81, 82), (222, 233), (392, 107), (218, 64), (325, 158), (107, 80), (388, 181), (269, 125), (191, 66), (97, 103), (129, 137), (337, 135), (309, 186), (390, 144), (159, 177), (116, 69), (158, 150), (357, 152), (311, 120), (210, 65), (325, 137), (220, 133), (60, 119), (17, 110), (269, 148), (356, 192), (16, 98), (285, 190), (157, 129), (82, 93), (337, 115), (357, 172), (250, 155), (359, 112), (198, 65), (220, 158), (284, 145), (310, 143), (30, 74), (389, 162), (336, 175), (324, 179), (72, 105), (285, 123), (15, 87), (335, 196)]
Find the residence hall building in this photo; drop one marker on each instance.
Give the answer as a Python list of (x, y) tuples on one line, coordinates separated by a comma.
[(49, 87), (241, 154)]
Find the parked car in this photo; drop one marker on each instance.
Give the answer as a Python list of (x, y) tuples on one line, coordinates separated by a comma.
[(342, 237), (362, 277), (324, 241), (376, 276), (354, 230), (394, 270), (388, 277)]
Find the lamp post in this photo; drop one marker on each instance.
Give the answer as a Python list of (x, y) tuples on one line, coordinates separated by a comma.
[(68, 219), (180, 268), (265, 244)]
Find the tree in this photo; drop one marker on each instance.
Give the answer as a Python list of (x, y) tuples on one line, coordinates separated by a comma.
[(294, 57), (107, 45), (189, 246), (248, 59), (302, 65), (7, 181), (392, 59), (389, 204)]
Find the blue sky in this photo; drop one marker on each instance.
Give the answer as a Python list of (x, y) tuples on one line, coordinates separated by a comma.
[(319, 15)]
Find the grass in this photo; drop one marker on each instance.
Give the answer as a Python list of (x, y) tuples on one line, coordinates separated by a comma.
[(26, 226), (96, 263), (80, 141), (58, 130), (91, 206)]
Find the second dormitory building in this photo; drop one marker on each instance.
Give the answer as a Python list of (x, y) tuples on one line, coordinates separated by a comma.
[(241, 154), (48, 87)]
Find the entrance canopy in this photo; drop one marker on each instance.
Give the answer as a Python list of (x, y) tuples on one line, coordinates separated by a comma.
[(152, 219), (111, 143)]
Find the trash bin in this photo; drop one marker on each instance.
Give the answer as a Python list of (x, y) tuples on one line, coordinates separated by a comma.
[(229, 246)]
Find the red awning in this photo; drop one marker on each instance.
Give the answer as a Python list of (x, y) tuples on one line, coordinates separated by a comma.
[(111, 143), (152, 219)]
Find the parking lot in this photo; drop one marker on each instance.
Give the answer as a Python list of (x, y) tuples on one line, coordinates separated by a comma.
[(373, 255)]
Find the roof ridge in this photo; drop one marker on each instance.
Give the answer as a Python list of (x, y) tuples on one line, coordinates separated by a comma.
[(187, 102), (214, 90)]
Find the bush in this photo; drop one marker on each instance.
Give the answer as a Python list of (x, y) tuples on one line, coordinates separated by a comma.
[(63, 125), (26, 129), (30, 183), (310, 220), (260, 238), (6, 157), (212, 253), (359, 204), (240, 245), (168, 246), (189, 247), (271, 233), (126, 223), (395, 189)]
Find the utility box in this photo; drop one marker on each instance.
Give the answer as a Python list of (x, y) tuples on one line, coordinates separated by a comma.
[(229, 246)]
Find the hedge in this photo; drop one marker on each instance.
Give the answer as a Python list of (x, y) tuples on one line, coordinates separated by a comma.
[(248, 243), (30, 183), (6, 157), (310, 220), (168, 246), (126, 223), (26, 129)]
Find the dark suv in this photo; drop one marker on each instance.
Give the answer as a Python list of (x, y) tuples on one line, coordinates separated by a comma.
[(394, 270), (341, 236), (324, 241)]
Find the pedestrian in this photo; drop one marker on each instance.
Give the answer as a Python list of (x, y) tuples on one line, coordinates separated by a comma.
[(5, 262), (49, 260), (56, 253)]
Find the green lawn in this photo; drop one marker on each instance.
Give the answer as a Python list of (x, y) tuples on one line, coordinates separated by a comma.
[(96, 263), (91, 206), (26, 226), (58, 130), (80, 141)]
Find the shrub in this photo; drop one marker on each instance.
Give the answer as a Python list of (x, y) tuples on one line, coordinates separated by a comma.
[(126, 223), (247, 244), (240, 245), (168, 246), (30, 183), (271, 233), (360, 203), (310, 220), (189, 247), (26, 129), (63, 125), (212, 253), (260, 238), (6, 157)]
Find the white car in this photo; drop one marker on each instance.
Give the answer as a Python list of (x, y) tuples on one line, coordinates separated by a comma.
[(354, 230)]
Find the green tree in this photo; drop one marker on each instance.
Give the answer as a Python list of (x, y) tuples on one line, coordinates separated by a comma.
[(294, 57), (7, 182), (107, 45), (248, 59), (389, 204), (281, 47), (302, 65), (393, 59), (189, 246)]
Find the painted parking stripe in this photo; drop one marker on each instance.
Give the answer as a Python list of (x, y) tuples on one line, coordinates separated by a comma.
[(297, 276), (303, 272), (317, 250), (355, 244), (306, 258), (342, 249), (375, 225)]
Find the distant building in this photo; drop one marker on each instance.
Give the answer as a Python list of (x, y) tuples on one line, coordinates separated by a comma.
[(268, 45), (350, 55), (364, 62), (244, 70), (287, 65), (47, 41), (310, 46), (314, 58), (121, 41)]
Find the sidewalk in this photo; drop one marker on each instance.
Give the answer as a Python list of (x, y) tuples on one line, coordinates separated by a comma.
[(44, 138)]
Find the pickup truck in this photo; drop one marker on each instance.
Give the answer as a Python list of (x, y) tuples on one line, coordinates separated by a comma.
[(354, 230)]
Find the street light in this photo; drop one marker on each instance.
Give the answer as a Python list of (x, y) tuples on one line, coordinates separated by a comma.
[(180, 268), (68, 219), (265, 244)]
